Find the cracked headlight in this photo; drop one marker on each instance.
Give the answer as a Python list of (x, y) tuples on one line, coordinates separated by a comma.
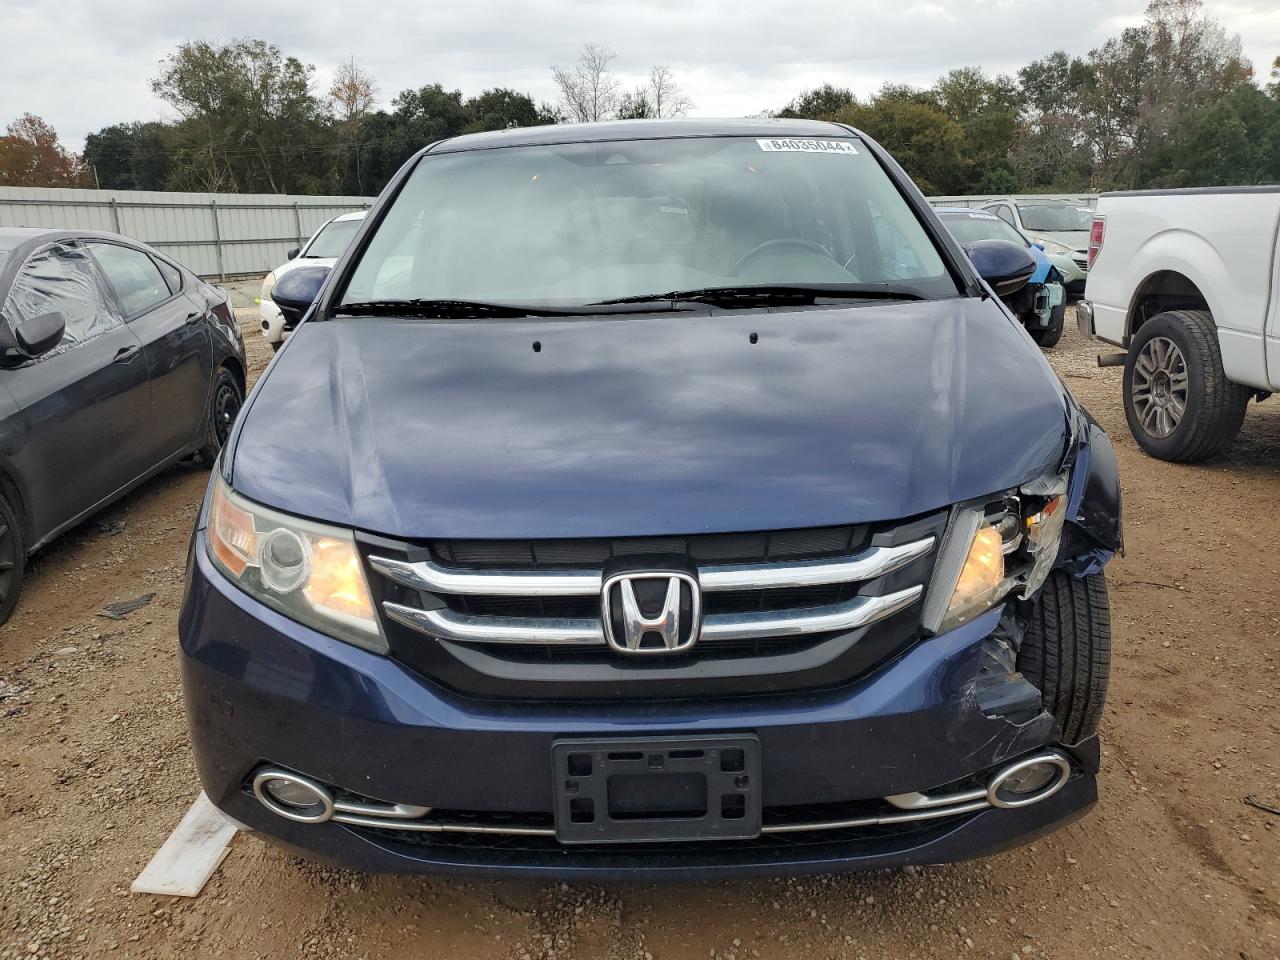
[(993, 547), (310, 572)]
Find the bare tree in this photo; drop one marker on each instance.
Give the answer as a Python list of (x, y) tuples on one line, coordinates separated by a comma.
[(588, 91), (664, 94), (353, 91)]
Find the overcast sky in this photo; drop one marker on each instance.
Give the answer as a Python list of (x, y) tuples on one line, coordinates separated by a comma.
[(84, 64)]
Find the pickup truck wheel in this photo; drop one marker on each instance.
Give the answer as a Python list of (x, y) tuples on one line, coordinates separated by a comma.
[(13, 558), (1066, 651), (228, 398), (1049, 336), (1177, 398)]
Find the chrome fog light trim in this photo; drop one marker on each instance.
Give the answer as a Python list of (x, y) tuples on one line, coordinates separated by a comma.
[(318, 811), (997, 796)]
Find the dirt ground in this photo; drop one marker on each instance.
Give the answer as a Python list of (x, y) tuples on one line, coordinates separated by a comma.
[(95, 772)]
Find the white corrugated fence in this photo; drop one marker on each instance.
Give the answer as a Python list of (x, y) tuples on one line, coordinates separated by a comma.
[(213, 234)]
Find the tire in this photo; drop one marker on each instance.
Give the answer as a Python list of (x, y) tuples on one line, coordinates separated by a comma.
[(1177, 399), (276, 345), (13, 558), (1066, 651), (225, 401), (1049, 336)]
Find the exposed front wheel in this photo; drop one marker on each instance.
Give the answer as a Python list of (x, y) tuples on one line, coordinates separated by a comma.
[(1049, 336), (13, 558), (1066, 651), (228, 398), (1177, 398)]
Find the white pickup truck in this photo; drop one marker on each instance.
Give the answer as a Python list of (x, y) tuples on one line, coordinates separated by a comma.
[(1188, 283)]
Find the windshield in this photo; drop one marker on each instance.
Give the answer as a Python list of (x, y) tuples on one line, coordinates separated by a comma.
[(581, 223), (968, 227), (1055, 217), (333, 239)]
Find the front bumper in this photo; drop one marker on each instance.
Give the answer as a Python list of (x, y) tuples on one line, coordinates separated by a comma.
[(272, 321), (263, 689)]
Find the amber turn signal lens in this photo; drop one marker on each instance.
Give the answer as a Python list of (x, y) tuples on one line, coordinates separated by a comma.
[(231, 534)]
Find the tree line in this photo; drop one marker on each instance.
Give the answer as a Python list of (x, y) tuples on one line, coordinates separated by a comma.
[(1171, 102)]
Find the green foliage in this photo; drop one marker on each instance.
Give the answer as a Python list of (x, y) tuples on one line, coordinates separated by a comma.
[(1168, 103), (820, 104), (130, 156), (921, 137)]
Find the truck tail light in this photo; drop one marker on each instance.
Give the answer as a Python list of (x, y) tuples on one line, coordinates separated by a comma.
[(1096, 233)]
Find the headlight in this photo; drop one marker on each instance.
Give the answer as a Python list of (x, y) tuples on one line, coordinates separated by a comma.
[(268, 282), (1052, 246), (993, 547), (308, 571)]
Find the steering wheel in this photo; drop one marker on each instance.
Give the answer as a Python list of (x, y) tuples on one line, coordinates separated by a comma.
[(779, 243)]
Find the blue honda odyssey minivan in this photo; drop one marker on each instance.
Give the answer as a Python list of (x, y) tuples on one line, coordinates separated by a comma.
[(653, 500)]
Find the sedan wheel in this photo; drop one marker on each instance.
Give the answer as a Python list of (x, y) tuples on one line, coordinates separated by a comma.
[(12, 559), (226, 406), (228, 398)]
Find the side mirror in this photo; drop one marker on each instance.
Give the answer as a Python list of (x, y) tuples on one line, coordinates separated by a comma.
[(293, 253), (1005, 265), (294, 292), (39, 335)]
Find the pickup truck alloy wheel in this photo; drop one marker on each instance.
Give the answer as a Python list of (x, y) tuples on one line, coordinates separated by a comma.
[(1177, 399), (1160, 386)]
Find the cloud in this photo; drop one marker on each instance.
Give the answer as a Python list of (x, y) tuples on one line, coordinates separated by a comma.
[(88, 64)]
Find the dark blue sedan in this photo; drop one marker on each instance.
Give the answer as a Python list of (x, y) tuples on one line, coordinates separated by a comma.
[(115, 362)]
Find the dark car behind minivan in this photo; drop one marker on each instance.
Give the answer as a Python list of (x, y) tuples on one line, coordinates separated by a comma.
[(654, 499)]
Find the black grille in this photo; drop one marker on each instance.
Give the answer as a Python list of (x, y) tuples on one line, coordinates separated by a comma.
[(719, 668), (732, 601), (811, 544)]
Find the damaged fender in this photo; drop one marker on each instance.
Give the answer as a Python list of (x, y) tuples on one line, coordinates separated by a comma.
[(1094, 531)]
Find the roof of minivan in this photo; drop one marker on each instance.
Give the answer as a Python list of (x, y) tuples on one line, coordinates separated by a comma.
[(640, 130)]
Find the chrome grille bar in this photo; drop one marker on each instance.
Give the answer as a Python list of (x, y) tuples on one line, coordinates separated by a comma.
[(871, 563), (462, 628), (433, 578), (430, 577)]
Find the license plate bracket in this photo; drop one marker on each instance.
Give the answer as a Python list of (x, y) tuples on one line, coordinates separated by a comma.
[(638, 790)]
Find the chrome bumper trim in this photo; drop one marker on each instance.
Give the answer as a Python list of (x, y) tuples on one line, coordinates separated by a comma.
[(912, 807), (430, 577), (462, 628)]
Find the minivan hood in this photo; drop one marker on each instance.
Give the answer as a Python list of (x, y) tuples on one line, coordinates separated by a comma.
[(649, 424)]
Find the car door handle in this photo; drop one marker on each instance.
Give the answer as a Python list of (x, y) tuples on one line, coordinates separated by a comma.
[(126, 354), (194, 316)]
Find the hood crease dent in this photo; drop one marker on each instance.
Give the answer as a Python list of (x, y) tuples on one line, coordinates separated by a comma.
[(667, 423)]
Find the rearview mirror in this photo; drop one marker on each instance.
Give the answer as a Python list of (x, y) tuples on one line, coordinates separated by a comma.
[(294, 292), (1005, 265), (39, 335), (293, 253)]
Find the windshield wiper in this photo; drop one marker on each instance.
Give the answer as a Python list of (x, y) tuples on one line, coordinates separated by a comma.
[(475, 309), (774, 294), (450, 309)]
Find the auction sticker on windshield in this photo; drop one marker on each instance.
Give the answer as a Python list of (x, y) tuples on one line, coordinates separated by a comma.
[(793, 145)]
